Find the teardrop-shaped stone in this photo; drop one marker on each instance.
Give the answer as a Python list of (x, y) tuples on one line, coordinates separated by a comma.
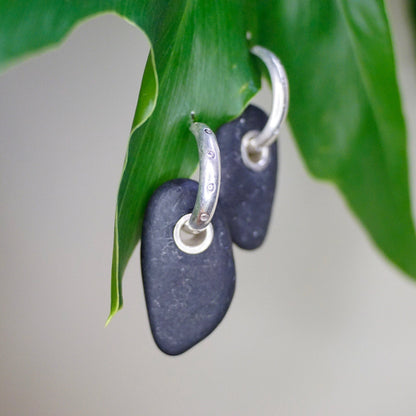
[(246, 195), (187, 295)]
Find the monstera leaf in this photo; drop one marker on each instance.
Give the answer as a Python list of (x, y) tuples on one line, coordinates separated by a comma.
[(345, 105)]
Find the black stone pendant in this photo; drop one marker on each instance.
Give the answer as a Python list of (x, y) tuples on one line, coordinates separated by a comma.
[(246, 195), (187, 295)]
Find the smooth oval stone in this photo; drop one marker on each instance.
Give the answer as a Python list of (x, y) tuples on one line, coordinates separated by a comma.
[(187, 295), (246, 196)]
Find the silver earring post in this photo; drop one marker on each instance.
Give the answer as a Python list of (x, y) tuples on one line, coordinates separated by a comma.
[(193, 233)]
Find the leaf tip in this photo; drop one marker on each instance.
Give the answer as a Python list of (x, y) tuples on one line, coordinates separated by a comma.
[(113, 311)]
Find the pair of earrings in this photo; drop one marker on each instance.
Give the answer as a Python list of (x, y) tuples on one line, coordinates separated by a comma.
[(186, 252)]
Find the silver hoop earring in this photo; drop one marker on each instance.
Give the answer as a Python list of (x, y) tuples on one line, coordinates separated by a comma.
[(186, 254), (249, 160)]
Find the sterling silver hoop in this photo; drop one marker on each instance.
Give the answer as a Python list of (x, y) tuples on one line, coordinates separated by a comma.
[(254, 146), (193, 233)]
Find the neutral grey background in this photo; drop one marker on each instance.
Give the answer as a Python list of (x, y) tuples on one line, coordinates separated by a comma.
[(320, 324)]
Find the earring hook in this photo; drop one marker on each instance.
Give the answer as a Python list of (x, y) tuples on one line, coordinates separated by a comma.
[(209, 178), (280, 103)]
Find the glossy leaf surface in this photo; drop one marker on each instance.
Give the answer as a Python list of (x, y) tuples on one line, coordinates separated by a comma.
[(345, 105), (346, 110)]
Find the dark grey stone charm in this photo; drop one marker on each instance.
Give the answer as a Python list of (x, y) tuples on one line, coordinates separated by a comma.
[(187, 295), (246, 196)]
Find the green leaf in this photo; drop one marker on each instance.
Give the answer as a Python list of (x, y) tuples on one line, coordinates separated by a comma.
[(345, 106), (162, 148), (203, 65), (346, 111)]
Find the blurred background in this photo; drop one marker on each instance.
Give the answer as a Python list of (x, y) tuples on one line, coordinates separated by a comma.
[(321, 324)]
